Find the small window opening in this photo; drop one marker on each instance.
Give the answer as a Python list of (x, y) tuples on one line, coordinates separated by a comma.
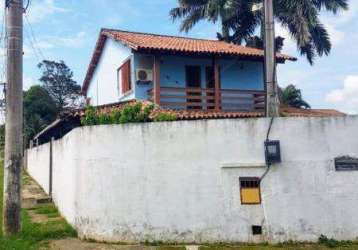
[(256, 230), (250, 191), (346, 163)]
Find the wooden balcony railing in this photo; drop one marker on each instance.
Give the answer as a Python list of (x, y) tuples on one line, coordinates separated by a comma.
[(204, 99)]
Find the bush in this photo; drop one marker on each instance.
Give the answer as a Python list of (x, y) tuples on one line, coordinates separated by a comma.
[(104, 119), (90, 117), (164, 117), (130, 113), (332, 243), (116, 116)]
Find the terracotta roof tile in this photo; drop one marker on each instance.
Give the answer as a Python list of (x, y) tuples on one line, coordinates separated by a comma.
[(189, 115), (202, 114), (296, 112), (139, 41), (144, 41)]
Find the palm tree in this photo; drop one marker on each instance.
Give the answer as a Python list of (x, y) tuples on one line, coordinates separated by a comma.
[(292, 96), (239, 22)]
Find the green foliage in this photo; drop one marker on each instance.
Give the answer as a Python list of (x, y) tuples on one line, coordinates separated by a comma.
[(39, 111), (292, 96), (57, 79), (90, 117), (34, 236), (332, 243), (46, 209), (116, 116), (324, 240), (104, 118), (129, 114), (164, 117), (239, 23)]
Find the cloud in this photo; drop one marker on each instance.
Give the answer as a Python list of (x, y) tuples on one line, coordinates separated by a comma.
[(39, 10), (76, 41), (336, 35), (38, 48), (346, 98)]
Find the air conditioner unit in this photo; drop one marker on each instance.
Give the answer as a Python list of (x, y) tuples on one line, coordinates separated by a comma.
[(144, 75)]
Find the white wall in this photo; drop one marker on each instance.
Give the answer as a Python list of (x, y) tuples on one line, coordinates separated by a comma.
[(179, 181), (103, 88), (40, 165)]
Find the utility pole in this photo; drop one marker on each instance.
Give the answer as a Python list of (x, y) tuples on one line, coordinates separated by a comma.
[(272, 102), (14, 118)]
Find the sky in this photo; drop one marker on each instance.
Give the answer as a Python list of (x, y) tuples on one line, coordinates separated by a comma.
[(68, 29)]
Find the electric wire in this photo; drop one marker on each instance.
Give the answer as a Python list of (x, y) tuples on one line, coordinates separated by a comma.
[(28, 38), (3, 67), (32, 39), (27, 6), (267, 138)]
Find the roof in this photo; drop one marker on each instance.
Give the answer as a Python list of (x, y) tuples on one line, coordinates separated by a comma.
[(296, 112), (172, 44), (180, 114), (146, 41)]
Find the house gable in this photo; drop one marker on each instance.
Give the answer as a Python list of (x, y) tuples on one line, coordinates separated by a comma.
[(103, 83)]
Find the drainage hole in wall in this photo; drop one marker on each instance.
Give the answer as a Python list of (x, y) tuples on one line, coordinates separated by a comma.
[(256, 230)]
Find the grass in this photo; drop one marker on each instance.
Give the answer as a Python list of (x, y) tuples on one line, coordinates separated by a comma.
[(35, 236)]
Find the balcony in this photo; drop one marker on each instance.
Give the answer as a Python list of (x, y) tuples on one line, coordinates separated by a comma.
[(207, 99)]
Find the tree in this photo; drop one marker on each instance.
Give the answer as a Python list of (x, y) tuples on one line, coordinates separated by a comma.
[(300, 18), (292, 96), (39, 111), (257, 42), (57, 79)]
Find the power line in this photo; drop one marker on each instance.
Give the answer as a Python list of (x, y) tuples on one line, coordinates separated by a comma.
[(32, 38), (2, 45), (27, 5), (38, 57), (3, 67)]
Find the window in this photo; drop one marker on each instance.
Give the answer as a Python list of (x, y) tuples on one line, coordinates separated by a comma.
[(250, 191), (124, 77)]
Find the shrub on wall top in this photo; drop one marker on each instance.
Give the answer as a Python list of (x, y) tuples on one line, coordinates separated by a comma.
[(137, 112)]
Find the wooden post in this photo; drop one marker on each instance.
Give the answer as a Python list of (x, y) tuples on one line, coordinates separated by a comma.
[(156, 85), (217, 85)]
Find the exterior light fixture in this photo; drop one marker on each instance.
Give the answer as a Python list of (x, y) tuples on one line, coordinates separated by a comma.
[(272, 152)]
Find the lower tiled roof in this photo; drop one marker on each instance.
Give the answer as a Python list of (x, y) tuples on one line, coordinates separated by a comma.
[(296, 112), (202, 114), (75, 116)]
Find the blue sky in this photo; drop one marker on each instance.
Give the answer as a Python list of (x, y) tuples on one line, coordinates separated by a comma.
[(67, 30)]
